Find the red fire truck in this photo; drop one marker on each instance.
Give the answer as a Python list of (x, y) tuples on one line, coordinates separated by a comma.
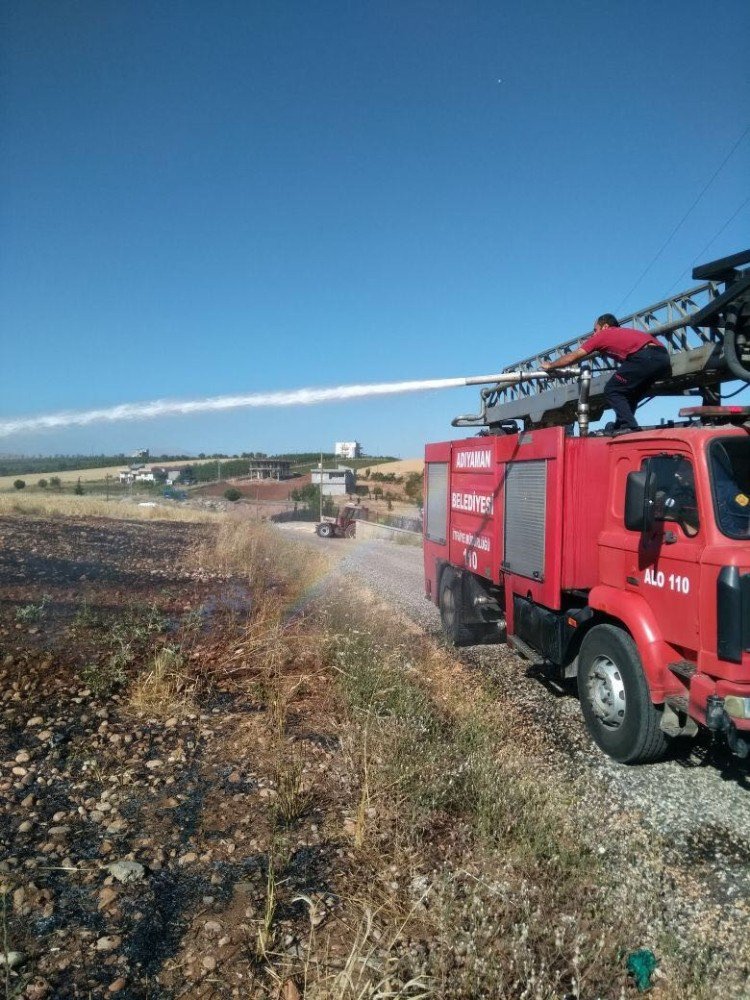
[(622, 561)]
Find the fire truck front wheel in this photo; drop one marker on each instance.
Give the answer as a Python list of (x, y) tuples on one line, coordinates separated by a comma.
[(615, 698), (452, 611), (325, 530)]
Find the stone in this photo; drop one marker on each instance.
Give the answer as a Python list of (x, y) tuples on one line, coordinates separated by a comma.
[(107, 896), (188, 858), (127, 871), (109, 942), (117, 985), (12, 959), (37, 990), (208, 963), (25, 826)]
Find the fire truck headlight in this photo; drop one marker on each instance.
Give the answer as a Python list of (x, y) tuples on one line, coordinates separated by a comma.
[(736, 707)]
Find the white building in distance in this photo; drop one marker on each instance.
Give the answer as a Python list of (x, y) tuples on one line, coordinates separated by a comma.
[(347, 449), (334, 482)]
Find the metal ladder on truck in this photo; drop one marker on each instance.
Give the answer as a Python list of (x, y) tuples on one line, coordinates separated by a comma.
[(705, 329)]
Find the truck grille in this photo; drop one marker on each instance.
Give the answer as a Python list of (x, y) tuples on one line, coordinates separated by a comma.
[(732, 614)]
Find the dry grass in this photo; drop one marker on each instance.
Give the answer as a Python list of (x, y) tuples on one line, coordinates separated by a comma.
[(401, 468), (279, 571), (165, 688), (40, 505), (481, 873)]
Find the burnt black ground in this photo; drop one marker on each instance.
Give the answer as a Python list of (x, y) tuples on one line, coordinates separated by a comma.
[(85, 781)]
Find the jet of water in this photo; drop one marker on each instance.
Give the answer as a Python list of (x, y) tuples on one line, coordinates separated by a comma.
[(167, 407)]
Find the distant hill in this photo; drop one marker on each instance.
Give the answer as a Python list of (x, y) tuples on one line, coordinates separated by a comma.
[(19, 465)]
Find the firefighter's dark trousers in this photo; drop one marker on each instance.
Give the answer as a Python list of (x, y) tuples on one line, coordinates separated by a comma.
[(631, 382)]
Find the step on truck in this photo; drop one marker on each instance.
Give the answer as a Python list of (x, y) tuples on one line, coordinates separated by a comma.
[(620, 560)]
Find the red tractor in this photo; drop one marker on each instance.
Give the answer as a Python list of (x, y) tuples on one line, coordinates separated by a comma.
[(344, 525)]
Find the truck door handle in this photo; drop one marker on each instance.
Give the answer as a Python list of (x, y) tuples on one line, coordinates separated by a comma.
[(669, 537)]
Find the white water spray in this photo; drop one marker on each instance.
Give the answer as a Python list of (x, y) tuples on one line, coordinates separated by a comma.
[(167, 407), (295, 397)]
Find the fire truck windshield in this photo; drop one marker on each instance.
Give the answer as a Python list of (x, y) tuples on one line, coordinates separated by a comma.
[(729, 462)]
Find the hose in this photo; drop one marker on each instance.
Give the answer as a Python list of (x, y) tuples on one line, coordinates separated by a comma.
[(736, 337)]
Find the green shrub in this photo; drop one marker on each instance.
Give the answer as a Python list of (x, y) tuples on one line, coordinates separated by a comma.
[(232, 494), (19, 484)]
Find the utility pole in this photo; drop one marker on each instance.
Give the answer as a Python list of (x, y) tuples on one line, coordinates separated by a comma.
[(320, 486)]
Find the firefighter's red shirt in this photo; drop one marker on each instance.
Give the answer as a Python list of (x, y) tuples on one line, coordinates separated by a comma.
[(618, 342)]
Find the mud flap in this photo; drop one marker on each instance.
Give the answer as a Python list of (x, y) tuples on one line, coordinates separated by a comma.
[(675, 722)]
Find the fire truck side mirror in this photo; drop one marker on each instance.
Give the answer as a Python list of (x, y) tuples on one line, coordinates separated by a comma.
[(640, 500)]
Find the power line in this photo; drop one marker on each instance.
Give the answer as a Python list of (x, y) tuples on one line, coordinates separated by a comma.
[(685, 216), (713, 239)]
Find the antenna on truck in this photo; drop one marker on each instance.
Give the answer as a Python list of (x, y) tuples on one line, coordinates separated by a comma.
[(706, 330)]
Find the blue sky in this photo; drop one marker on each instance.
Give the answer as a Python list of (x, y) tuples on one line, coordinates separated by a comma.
[(214, 198)]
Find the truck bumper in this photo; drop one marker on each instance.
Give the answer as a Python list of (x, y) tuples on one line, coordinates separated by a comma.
[(724, 708), (735, 698)]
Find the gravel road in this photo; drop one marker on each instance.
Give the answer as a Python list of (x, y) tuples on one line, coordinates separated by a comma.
[(698, 800)]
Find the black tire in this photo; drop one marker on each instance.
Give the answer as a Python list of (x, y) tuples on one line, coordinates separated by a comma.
[(615, 698), (325, 530), (737, 339), (452, 611), (351, 531)]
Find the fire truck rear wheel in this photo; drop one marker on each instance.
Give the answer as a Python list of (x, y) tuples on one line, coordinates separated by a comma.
[(615, 699), (351, 531), (452, 611)]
